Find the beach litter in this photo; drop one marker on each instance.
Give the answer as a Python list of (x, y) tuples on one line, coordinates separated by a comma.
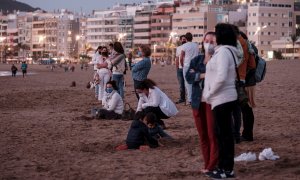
[(246, 157), (267, 154)]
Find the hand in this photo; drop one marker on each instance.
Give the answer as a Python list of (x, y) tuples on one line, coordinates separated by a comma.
[(202, 75), (192, 70), (121, 147)]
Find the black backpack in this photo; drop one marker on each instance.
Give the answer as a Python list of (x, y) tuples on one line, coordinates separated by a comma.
[(261, 65)]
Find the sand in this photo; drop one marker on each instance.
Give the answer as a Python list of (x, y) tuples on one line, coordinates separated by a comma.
[(46, 133)]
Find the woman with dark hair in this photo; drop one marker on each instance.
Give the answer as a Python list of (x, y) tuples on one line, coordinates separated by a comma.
[(112, 103), (152, 99), (202, 112), (103, 72), (118, 63), (220, 92), (141, 69)]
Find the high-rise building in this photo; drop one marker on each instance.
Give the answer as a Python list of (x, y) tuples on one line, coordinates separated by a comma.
[(269, 20), (3, 36)]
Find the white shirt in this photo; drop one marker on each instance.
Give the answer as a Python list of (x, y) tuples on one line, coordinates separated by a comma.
[(191, 50), (113, 102), (102, 70), (95, 60), (178, 53), (157, 98), (219, 85)]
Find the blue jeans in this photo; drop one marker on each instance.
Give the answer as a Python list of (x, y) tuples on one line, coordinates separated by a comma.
[(119, 78), (181, 84)]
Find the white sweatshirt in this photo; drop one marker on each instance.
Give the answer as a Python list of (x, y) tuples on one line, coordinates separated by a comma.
[(219, 87), (113, 102), (157, 98)]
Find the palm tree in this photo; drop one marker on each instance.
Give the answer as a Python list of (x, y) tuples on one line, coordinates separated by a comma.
[(294, 38)]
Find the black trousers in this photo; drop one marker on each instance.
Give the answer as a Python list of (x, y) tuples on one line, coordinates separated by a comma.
[(159, 114), (223, 127), (110, 115), (135, 84), (248, 122)]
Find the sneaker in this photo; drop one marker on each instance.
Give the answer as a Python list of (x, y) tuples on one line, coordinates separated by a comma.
[(220, 174)]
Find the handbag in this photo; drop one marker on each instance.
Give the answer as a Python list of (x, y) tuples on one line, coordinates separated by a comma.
[(128, 113), (240, 86)]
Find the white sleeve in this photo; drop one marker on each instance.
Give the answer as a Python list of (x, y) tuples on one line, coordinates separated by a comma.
[(114, 101), (222, 64), (155, 99)]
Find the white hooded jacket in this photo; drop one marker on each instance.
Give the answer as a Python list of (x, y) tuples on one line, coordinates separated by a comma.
[(219, 87)]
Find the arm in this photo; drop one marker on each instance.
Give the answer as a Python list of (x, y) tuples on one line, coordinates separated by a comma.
[(181, 59), (177, 62), (94, 59), (222, 63), (114, 101), (139, 66), (153, 143), (162, 133), (117, 59), (195, 69), (103, 65), (140, 103), (155, 100)]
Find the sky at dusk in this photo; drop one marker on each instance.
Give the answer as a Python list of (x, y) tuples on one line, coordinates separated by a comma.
[(86, 5)]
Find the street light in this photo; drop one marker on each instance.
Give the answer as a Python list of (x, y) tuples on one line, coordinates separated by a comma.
[(257, 32)]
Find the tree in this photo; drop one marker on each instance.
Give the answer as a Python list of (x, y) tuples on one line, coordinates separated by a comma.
[(294, 39)]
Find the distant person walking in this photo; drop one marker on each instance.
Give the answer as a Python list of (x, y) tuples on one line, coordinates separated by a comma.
[(14, 70), (188, 51), (180, 71), (24, 68), (130, 56), (141, 69)]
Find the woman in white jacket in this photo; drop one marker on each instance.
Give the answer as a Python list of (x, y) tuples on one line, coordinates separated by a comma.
[(103, 72), (152, 99), (220, 92), (112, 103)]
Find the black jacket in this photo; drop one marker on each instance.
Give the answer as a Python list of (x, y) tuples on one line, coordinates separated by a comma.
[(138, 135)]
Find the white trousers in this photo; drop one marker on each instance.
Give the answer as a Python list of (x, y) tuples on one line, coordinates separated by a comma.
[(104, 78), (188, 86)]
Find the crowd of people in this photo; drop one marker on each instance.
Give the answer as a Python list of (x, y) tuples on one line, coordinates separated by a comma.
[(207, 83)]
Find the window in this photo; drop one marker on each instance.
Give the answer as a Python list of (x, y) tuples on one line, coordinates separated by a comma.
[(254, 14)]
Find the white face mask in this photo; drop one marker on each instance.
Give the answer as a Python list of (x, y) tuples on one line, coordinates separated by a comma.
[(209, 48), (141, 94)]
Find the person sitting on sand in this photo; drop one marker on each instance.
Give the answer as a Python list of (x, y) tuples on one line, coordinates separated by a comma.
[(112, 103), (152, 99), (138, 133), (154, 129)]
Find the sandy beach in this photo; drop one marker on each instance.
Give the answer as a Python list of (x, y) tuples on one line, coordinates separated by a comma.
[(45, 131)]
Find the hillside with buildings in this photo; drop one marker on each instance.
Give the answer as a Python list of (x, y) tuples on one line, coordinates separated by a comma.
[(64, 35), (9, 6)]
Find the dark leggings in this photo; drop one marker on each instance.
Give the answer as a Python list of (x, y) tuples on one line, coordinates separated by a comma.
[(223, 124)]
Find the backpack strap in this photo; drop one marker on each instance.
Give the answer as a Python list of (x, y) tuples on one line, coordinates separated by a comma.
[(236, 69)]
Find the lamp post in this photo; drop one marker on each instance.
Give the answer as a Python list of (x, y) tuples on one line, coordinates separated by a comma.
[(258, 31)]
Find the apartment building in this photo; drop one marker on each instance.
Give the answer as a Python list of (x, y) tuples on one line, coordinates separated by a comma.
[(161, 28), (269, 20), (142, 21), (107, 26), (197, 19), (3, 35)]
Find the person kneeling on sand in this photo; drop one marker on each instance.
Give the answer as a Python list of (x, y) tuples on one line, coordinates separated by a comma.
[(112, 103), (152, 99), (138, 133)]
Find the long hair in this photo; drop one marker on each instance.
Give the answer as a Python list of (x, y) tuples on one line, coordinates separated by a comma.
[(146, 84)]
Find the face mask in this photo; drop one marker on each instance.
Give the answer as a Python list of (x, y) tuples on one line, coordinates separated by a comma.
[(109, 90), (141, 94), (209, 48)]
